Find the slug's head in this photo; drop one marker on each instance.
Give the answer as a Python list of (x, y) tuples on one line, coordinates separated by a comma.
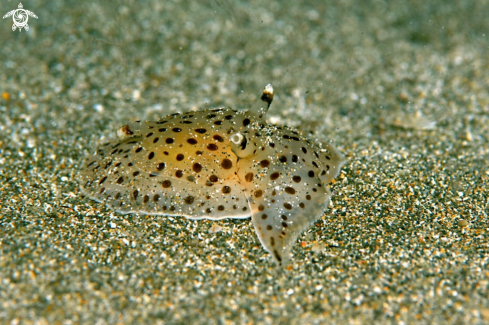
[(243, 144)]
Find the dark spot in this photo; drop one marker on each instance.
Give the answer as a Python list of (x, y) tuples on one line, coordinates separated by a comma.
[(130, 164), (315, 165), (180, 157), (274, 193), (192, 141), (166, 184), (164, 208), (197, 167), (290, 190), (288, 206), (169, 140), (135, 194), (125, 129), (261, 207), (265, 163), (258, 193), (138, 149), (172, 208), (283, 216), (179, 173), (272, 241), (151, 155), (264, 216), (277, 256), (314, 190), (199, 153), (274, 176), (189, 199), (117, 196), (235, 207), (316, 154), (145, 199), (156, 139), (211, 116), (246, 122), (218, 122), (272, 144), (186, 122), (323, 172), (327, 157), (120, 180), (226, 163), (201, 131), (165, 153), (310, 173), (176, 130), (218, 138), (156, 198), (190, 178), (220, 208), (212, 146), (249, 177), (149, 134), (226, 189), (285, 136), (160, 166), (308, 197), (213, 178), (102, 180), (113, 152), (209, 183), (295, 138), (102, 190), (136, 173), (245, 208), (228, 117), (269, 227), (162, 130), (283, 159), (284, 224), (118, 164), (295, 158), (302, 205)]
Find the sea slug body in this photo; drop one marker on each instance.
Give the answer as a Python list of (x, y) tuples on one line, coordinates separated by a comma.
[(215, 164)]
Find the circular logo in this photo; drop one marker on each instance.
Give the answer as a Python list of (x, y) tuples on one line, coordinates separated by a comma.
[(20, 18)]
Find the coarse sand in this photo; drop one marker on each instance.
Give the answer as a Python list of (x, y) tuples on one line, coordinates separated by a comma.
[(399, 87)]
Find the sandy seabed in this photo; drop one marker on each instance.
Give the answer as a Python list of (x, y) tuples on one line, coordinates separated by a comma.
[(400, 88)]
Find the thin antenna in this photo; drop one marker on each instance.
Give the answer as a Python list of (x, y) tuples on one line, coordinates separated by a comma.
[(267, 95), (261, 107)]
